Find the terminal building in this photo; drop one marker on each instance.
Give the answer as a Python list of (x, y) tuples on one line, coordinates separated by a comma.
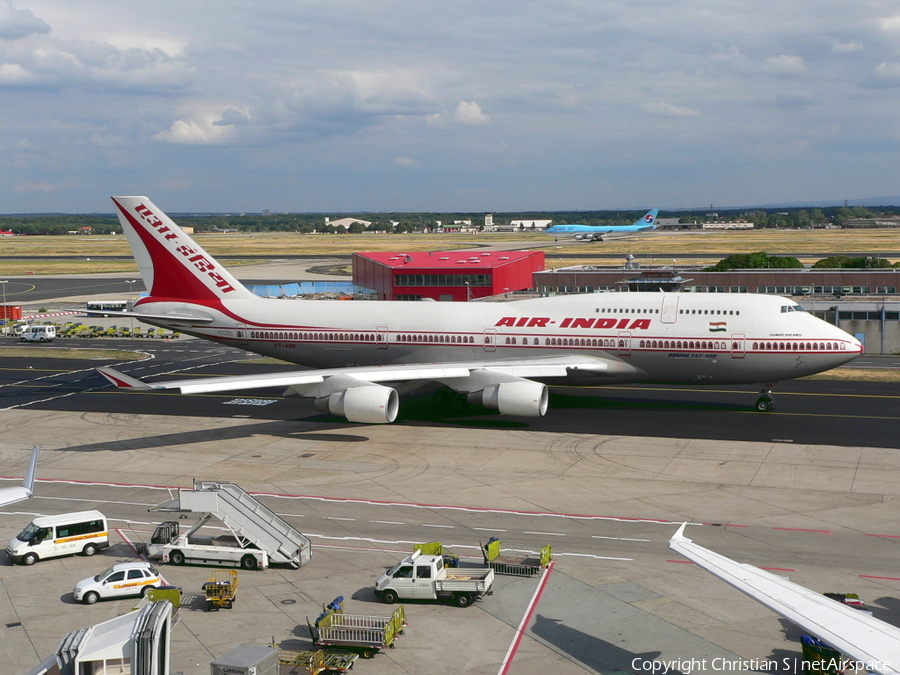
[(446, 275), (863, 302)]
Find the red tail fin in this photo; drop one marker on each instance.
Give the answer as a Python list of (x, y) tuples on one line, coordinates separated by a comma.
[(172, 264)]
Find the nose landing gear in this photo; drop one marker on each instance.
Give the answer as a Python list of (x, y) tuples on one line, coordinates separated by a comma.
[(765, 402)]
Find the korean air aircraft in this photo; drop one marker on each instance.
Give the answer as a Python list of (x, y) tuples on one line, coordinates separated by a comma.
[(596, 232), (500, 355)]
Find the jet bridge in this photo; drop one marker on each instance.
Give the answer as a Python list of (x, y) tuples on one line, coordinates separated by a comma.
[(136, 643), (251, 523)]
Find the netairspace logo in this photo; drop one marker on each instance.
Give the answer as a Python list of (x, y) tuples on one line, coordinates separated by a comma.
[(719, 664)]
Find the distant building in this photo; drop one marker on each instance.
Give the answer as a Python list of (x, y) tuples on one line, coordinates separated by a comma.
[(886, 221), (345, 223), (531, 224), (725, 225), (85, 230)]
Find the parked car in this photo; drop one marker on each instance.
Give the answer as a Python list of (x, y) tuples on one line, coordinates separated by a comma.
[(119, 581)]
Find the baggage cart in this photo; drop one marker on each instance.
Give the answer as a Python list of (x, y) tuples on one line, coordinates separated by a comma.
[(316, 662), (366, 635), (221, 590), (520, 560)]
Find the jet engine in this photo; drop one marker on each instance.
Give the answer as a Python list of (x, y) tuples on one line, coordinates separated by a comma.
[(370, 404), (523, 399)]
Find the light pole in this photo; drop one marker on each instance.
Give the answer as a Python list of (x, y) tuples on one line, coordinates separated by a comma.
[(131, 283), (5, 310)]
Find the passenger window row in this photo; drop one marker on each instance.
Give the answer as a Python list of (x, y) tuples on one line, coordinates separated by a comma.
[(799, 346)]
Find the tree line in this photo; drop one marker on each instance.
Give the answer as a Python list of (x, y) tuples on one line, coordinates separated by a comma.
[(307, 223), (761, 260)]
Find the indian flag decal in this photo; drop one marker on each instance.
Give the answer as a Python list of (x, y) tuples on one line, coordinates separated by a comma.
[(717, 326)]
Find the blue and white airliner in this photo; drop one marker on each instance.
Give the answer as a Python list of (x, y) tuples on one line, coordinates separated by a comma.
[(596, 232)]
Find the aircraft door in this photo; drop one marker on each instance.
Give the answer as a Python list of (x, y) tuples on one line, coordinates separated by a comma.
[(669, 311), (381, 337), (737, 345), (242, 333), (490, 339), (623, 344)]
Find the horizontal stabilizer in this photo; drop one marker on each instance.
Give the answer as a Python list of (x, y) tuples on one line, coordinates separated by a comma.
[(151, 317), (121, 380)]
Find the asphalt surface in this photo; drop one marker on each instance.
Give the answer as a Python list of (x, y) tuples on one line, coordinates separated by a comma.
[(807, 490), (820, 412)]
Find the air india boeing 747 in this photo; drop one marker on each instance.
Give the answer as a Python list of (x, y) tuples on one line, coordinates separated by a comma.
[(361, 355)]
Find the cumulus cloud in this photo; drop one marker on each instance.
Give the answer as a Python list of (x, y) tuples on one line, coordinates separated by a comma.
[(204, 127), (470, 113), (14, 74), (846, 47), (890, 24), (661, 109), (378, 92), (785, 64), (888, 71), (16, 24)]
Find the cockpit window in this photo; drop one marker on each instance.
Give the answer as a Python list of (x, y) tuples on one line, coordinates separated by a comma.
[(791, 308)]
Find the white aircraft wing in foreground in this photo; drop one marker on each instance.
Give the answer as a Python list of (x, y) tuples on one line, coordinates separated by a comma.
[(855, 634), (20, 493)]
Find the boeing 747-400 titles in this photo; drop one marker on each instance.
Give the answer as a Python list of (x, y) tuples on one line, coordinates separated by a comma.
[(501, 355)]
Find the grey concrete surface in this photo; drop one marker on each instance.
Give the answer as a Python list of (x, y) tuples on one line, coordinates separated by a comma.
[(614, 594)]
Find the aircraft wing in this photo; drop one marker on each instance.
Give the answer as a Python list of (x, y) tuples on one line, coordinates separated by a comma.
[(11, 495), (451, 374), (854, 633)]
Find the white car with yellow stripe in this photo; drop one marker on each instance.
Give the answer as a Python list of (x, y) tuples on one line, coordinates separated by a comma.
[(119, 581)]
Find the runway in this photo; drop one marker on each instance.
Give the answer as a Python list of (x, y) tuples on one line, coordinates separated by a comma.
[(809, 490)]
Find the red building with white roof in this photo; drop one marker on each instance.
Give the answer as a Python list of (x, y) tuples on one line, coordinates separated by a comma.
[(446, 275)]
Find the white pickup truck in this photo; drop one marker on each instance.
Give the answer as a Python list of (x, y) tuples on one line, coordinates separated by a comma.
[(424, 577)]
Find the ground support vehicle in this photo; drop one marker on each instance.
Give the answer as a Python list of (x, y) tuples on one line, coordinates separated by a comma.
[(437, 548), (424, 577), (64, 534), (170, 546), (118, 581), (260, 536), (38, 333), (515, 559), (221, 590), (316, 662), (366, 635)]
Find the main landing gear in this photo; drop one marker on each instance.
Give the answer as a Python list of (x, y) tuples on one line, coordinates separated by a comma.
[(765, 401)]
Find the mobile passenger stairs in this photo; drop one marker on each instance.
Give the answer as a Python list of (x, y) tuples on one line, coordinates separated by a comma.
[(252, 524)]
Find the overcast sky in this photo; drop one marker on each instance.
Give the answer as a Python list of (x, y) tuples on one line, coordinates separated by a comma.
[(370, 105)]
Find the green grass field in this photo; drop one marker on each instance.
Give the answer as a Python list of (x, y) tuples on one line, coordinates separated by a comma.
[(229, 248)]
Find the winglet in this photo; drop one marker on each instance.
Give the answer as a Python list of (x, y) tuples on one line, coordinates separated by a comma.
[(121, 380), (28, 484), (19, 493), (679, 535)]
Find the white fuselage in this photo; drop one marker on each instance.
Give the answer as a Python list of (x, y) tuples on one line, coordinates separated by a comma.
[(644, 337)]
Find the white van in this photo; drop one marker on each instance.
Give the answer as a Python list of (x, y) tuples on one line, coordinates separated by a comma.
[(52, 536), (38, 334)]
